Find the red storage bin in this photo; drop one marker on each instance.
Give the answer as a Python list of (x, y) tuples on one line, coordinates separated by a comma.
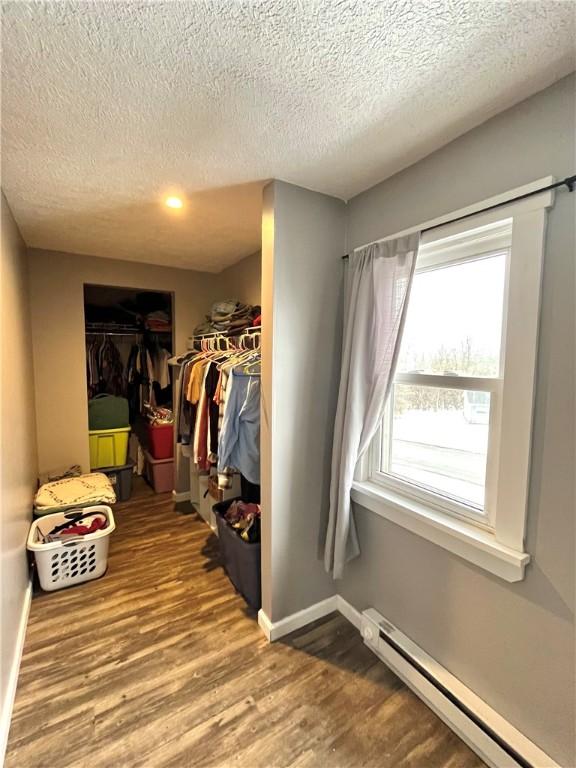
[(161, 440)]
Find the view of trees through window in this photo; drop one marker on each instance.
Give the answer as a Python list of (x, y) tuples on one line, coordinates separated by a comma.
[(446, 362), (453, 328), (437, 436)]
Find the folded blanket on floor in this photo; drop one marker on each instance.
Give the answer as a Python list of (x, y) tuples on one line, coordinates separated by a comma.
[(81, 491)]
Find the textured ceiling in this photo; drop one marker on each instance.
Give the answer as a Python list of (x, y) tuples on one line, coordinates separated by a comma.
[(107, 106)]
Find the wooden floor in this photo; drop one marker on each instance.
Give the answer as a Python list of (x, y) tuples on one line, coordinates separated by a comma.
[(159, 664)]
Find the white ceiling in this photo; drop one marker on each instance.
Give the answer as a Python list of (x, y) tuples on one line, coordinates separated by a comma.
[(109, 106)]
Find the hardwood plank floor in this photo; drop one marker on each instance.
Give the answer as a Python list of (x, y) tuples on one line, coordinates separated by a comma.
[(159, 663)]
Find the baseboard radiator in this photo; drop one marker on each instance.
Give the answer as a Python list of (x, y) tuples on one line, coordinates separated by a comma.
[(492, 737)]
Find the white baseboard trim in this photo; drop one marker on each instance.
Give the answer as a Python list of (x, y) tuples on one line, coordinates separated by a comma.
[(274, 630), (180, 496), (8, 703), (484, 746), (349, 612), (265, 625), (415, 667)]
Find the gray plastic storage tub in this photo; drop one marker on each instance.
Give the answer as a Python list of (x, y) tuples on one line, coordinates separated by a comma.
[(241, 558), (121, 479)]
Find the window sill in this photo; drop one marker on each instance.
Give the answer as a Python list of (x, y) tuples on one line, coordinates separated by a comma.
[(463, 539)]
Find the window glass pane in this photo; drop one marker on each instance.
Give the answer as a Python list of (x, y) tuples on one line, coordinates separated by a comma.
[(438, 438), (454, 320)]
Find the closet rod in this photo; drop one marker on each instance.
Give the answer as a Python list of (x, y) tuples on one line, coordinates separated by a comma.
[(124, 333), (114, 333), (121, 333), (569, 182)]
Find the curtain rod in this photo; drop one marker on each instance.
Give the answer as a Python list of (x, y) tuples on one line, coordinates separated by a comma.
[(569, 182)]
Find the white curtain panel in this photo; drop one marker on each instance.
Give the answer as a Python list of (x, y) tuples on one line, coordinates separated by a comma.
[(376, 300)]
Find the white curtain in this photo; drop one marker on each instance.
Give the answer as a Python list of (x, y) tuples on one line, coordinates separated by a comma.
[(376, 300)]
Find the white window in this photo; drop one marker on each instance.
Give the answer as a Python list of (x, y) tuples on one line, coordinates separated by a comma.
[(451, 459), (443, 408)]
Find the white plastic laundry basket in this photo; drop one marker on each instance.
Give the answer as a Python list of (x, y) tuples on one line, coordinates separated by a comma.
[(64, 563)]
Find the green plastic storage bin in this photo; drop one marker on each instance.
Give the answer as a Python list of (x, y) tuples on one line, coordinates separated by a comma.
[(108, 447), (108, 412)]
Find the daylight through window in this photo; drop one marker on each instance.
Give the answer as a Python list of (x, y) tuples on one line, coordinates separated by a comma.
[(435, 435)]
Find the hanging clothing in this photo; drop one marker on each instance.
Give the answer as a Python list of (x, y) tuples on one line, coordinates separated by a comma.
[(104, 369), (250, 491), (210, 384), (184, 407), (201, 428), (206, 382), (195, 383), (148, 375), (225, 474), (239, 444), (160, 369)]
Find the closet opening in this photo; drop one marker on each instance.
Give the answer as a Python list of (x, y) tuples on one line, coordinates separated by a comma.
[(129, 341), (218, 436)]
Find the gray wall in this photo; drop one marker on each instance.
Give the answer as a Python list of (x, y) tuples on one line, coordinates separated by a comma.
[(302, 238), (18, 448), (513, 644), (57, 301), (242, 280)]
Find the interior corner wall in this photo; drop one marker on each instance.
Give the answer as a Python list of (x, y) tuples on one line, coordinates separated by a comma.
[(57, 308), (18, 471), (513, 644), (242, 281), (302, 240)]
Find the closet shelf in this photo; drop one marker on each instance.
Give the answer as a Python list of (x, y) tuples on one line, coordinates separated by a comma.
[(122, 330), (228, 334)]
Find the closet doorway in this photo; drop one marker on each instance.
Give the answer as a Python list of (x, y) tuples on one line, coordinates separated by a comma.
[(129, 341)]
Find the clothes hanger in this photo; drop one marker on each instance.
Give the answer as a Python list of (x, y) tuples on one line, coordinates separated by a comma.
[(211, 352), (244, 358), (248, 368), (237, 357)]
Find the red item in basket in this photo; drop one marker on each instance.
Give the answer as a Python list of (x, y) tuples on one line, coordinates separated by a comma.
[(82, 530), (161, 440)]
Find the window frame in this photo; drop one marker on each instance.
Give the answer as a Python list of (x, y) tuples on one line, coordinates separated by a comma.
[(442, 253), (419, 492), (497, 542)]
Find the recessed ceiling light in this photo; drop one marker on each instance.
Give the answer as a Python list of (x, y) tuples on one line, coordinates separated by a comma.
[(174, 202)]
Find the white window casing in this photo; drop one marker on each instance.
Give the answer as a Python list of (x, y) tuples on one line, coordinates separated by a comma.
[(493, 540)]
